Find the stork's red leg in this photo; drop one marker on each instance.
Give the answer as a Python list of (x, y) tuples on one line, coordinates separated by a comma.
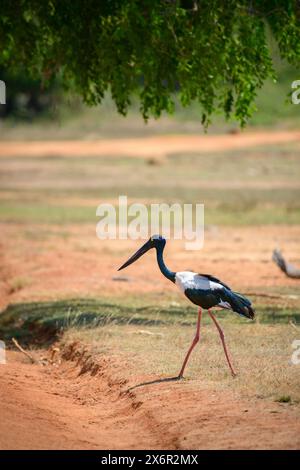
[(194, 342), (223, 341)]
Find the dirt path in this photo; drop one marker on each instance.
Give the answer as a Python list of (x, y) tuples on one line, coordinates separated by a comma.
[(62, 406), (45, 408), (156, 146)]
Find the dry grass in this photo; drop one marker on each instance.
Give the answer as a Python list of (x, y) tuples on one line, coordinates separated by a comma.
[(18, 283), (261, 354)]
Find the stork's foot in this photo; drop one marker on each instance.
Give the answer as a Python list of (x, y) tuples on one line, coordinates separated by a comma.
[(179, 377)]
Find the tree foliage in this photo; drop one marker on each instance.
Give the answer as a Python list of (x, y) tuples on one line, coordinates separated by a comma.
[(215, 52)]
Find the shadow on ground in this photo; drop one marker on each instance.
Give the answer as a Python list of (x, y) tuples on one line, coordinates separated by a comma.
[(42, 322)]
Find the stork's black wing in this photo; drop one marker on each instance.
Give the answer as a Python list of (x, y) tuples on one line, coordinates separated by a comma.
[(214, 279)]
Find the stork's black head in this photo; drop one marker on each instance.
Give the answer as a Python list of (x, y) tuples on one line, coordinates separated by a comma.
[(155, 241)]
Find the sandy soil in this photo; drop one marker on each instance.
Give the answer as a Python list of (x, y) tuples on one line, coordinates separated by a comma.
[(59, 406), (51, 408), (157, 146)]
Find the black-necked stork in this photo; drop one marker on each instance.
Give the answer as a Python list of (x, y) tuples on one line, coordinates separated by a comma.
[(203, 290)]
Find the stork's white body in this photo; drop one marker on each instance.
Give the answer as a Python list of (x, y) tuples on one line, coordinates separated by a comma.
[(189, 280)]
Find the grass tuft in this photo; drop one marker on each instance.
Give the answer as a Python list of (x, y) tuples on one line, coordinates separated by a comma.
[(284, 399)]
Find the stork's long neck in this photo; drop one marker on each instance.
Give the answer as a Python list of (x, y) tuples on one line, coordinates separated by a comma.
[(165, 271)]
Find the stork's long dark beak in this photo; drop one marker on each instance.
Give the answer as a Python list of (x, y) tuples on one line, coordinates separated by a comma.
[(138, 254)]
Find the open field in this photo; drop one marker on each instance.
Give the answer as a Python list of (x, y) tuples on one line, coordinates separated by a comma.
[(263, 187), (59, 285)]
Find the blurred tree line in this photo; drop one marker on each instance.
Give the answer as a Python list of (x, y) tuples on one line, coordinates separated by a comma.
[(27, 98)]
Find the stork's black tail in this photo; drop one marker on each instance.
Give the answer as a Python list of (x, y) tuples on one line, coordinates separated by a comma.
[(238, 303)]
